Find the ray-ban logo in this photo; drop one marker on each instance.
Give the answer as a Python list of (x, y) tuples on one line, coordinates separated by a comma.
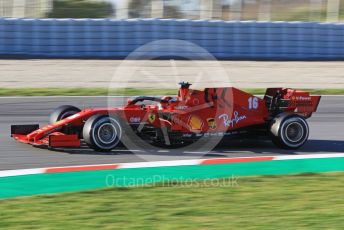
[(231, 122)]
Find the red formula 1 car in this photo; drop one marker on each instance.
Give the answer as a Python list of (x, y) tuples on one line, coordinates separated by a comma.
[(172, 121)]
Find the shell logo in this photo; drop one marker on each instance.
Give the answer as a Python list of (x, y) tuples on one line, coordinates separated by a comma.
[(195, 123)]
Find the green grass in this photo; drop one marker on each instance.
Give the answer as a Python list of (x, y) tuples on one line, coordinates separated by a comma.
[(124, 92), (306, 201), (81, 91)]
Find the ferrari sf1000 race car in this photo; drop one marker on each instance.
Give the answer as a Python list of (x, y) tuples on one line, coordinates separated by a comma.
[(174, 121)]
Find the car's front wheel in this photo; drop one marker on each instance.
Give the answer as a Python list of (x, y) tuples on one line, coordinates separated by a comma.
[(102, 132), (289, 131), (63, 112)]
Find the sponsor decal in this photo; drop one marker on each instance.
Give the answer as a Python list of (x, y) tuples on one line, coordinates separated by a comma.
[(135, 119), (212, 134), (301, 101), (59, 122), (74, 116), (232, 122), (211, 123), (181, 107), (235, 133), (151, 117), (195, 123), (301, 98)]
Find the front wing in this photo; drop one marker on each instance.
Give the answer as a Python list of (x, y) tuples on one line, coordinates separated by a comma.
[(55, 139)]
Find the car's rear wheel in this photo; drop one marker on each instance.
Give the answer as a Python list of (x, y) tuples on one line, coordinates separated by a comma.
[(289, 131), (102, 132), (63, 112)]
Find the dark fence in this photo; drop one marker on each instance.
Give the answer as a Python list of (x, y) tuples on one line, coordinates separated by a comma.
[(106, 38)]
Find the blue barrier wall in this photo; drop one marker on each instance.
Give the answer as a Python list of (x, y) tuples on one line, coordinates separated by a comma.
[(106, 38)]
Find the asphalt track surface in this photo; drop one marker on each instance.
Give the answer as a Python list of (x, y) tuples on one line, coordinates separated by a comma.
[(326, 135)]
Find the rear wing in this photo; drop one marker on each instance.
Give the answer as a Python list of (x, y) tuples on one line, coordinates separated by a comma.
[(290, 100)]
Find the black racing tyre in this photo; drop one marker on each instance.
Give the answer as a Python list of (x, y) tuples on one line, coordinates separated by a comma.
[(289, 131), (102, 132), (63, 112)]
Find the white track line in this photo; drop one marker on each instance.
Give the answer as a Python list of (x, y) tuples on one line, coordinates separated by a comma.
[(41, 97), (22, 172), (310, 156), (159, 164)]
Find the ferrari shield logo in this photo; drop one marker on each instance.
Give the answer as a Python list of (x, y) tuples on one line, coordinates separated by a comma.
[(151, 117), (211, 123)]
